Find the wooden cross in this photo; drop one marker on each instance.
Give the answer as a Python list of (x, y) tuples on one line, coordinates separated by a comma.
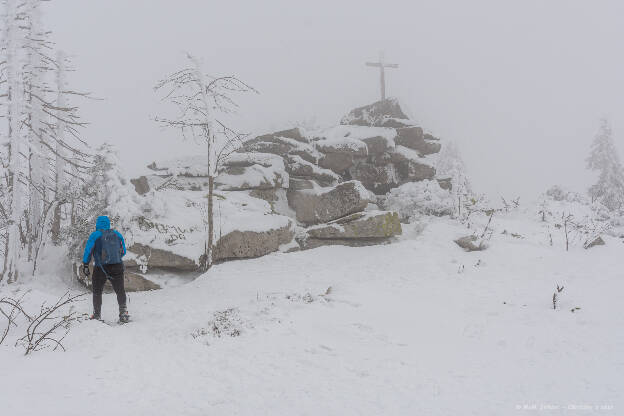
[(381, 65)]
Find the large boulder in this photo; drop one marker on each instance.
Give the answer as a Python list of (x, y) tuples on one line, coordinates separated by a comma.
[(414, 138), (376, 177), (300, 168), (158, 257), (380, 113), (281, 146), (316, 206), (369, 224), (294, 133), (244, 171), (340, 153), (411, 166), (246, 244)]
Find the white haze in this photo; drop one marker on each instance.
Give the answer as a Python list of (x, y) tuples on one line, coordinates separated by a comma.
[(519, 85)]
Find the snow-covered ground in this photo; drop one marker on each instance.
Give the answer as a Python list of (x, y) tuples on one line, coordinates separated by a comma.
[(418, 327)]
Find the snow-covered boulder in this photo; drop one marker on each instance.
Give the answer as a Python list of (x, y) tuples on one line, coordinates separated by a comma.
[(246, 244), (411, 166), (174, 238), (597, 241), (298, 167), (282, 146), (381, 113), (415, 139), (369, 224), (319, 205), (243, 171), (471, 243), (294, 133), (159, 257)]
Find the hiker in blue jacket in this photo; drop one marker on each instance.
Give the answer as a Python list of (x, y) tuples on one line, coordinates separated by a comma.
[(107, 247)]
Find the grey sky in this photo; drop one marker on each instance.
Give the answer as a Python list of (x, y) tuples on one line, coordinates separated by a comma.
[(519, 85)]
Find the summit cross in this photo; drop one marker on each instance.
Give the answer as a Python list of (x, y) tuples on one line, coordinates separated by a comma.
[(382, 65)]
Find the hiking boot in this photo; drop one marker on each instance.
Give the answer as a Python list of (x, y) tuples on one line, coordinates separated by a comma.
[(124, 317)]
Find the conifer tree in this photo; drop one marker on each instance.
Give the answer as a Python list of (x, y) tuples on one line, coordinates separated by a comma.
[(603, 158)]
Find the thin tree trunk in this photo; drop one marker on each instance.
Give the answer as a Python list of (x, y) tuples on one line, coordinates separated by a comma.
[(210, 220)]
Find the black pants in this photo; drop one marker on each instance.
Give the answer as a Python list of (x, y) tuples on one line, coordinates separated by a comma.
[(116, 274)]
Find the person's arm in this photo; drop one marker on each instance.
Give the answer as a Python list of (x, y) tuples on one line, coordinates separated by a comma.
[(86, 257), (123, 242)]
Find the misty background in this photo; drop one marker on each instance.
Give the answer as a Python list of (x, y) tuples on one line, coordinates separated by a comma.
[(519, 86)]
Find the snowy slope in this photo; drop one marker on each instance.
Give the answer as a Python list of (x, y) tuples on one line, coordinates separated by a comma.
[(415, 327)]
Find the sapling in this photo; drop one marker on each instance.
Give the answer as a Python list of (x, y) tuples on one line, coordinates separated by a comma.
[(555, 298)]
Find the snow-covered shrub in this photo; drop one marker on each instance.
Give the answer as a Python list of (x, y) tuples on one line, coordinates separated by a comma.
[(414, 199), (584, 220)]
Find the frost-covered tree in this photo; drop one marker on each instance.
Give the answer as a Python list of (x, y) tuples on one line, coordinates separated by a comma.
[(14, 149), (451, 165), (200, 101), (36, 122), (105, 191), (603, 158)]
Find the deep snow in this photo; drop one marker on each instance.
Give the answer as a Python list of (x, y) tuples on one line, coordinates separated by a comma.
[(415, 327)]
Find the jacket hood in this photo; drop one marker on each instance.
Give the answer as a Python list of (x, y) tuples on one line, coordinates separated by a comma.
[(102, 223)]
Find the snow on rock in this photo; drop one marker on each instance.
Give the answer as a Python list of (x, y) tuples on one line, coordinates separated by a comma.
[(319, 205), (301, 168), (380, 113), (182, 166), (414, 138), (281, 146), (295, 133), (360, 225), (175, 239), (237, 178)]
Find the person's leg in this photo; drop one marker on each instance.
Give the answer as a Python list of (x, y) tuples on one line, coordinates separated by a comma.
[(116, 271), (98, 280)]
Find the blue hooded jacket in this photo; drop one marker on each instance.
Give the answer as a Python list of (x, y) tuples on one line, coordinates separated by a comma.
[(102, 223)]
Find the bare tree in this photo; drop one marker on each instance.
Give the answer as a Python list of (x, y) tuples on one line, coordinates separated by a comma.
[(568, 222), (555, 297), (200, 100)]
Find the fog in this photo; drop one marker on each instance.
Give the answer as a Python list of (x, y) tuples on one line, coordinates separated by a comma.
[(519, 86)]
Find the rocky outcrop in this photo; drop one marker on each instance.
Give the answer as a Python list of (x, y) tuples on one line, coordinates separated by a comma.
[(246, 244), (316, 206)]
